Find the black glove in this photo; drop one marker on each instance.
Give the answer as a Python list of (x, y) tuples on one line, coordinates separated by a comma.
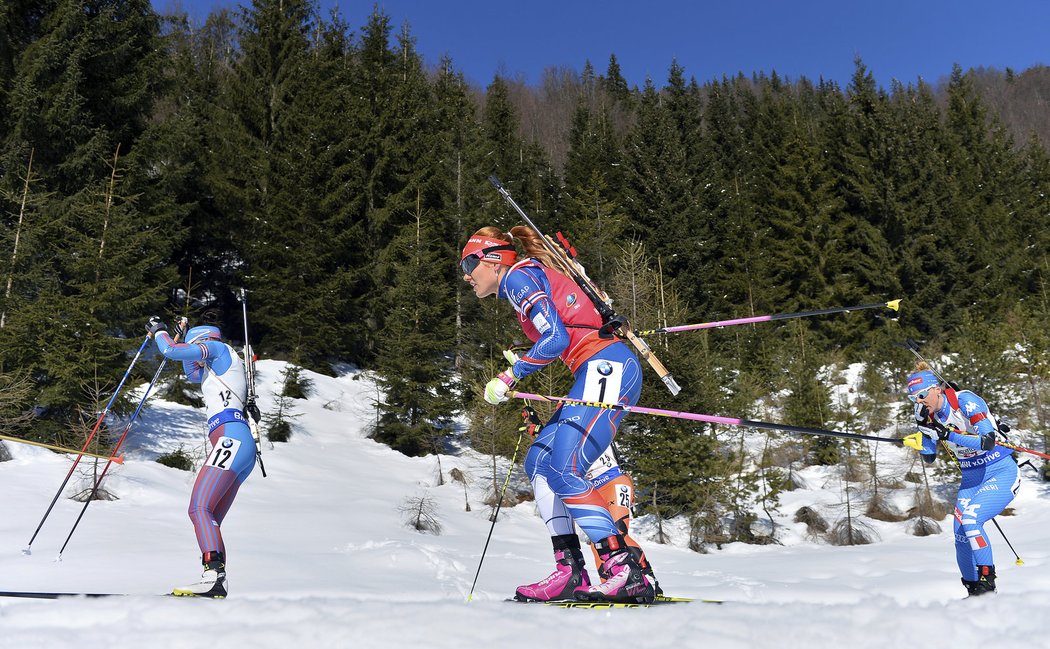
[(253, 410), (531, 421), (156, 325), (988, 442), (929, 426)]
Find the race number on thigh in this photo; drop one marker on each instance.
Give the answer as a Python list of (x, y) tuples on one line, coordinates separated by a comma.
[(223, 454), (623, 496), (602, 383)]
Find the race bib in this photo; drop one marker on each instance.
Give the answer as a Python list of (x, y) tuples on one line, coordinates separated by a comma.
[(623, 496), (602, 382), (223, 454)]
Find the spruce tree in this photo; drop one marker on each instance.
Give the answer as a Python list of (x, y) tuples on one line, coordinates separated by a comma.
[(81, 102), (414, 360)]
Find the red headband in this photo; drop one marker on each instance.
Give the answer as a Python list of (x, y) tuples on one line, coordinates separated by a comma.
[(501, 252)]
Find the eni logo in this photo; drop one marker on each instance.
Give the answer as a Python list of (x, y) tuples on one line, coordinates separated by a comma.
[(571, 299)]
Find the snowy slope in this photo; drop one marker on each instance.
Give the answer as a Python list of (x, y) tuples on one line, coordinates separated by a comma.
[(320, 557)]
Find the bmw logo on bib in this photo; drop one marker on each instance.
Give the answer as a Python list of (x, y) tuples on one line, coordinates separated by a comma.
[(227, 442), (604, 368)]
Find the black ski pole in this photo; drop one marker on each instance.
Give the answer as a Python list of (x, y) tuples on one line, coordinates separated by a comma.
[(495, 514), (1019, 561)]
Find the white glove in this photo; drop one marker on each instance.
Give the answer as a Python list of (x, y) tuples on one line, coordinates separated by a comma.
[(496, 389)]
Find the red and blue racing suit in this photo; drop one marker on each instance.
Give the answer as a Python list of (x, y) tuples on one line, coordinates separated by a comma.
[(562, 323), (216, 366)]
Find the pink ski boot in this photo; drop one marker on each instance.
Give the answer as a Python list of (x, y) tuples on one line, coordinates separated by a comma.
[(569, 574), (625, 582)]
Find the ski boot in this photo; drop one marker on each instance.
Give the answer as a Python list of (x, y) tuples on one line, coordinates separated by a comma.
[(985, 583), (625, 583), (569, 574), (213, 581), (647, 569)]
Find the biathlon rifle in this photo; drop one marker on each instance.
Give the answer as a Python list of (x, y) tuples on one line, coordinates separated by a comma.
[(251, 408), (612, 320)]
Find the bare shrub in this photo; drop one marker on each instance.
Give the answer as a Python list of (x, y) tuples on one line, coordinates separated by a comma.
[(852, 531), (420, 513), (815, 523), (786, 455), (926, 506), (462, 478), (880, 509), (923, 526)]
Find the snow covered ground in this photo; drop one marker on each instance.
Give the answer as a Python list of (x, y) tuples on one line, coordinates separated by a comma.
[(319, 556)]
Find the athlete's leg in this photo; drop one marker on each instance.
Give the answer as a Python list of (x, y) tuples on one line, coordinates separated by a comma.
[(982, 495), (231, 460)]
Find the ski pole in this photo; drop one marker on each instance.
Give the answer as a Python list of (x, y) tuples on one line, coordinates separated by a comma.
[(714, 419), (495, 514), (62, 449), (120, 442), (251, 408), (102, 417), (1019, 561), (892, 304), (597, 297)]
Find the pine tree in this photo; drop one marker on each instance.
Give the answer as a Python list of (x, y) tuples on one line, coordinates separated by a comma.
[(195, 153), (413, 363), (657, 191)]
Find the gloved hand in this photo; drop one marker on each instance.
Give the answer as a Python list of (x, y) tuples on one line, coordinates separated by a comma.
[(929, 426), (496, 389), (155, 325), (913, 441), (253, 410), (531, 421)]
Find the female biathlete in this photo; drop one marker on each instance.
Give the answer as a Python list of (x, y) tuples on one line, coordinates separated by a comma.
[(215, 365), (561, 321)]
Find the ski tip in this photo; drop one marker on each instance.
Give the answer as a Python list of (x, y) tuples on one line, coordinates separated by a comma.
[(894, 304)]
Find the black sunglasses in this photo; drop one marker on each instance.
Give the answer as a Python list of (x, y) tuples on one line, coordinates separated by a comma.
[(470, 263)]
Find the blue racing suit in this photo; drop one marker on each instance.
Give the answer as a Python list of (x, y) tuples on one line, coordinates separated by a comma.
[(989, 477)]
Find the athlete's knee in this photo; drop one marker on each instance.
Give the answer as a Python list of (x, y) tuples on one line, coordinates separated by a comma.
[(568, 485)]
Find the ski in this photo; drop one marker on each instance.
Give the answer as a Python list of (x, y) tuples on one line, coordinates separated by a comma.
[(25, 594), (28, 594)]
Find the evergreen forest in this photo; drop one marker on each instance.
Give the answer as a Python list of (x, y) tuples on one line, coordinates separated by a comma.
[(150, 166)]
